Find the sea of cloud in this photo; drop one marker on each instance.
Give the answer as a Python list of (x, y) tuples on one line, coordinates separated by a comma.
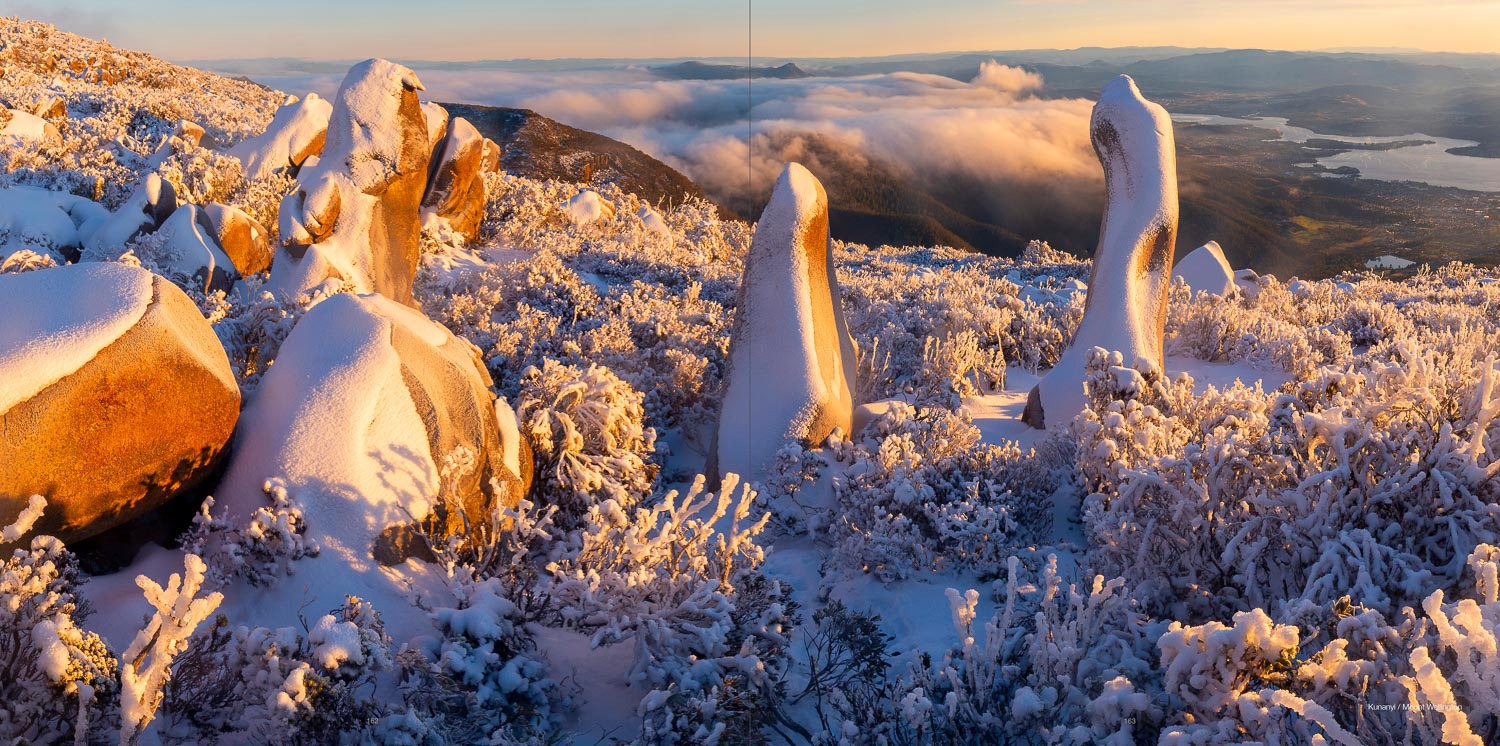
[(998, 131)]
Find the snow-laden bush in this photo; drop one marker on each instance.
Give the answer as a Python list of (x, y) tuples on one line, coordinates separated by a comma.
[(1055, 664), (1373, 483), (262, 550), (923, 493), (53, 674), (284, 685), (588, 436)]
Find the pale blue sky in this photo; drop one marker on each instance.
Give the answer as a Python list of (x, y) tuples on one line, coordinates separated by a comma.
[(504, 29)]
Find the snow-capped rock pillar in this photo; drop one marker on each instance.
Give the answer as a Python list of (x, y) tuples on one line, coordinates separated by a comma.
[(791, 359), (1126, 308), (354, 217)]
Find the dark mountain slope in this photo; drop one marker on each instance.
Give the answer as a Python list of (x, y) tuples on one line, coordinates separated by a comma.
[(540, 148)]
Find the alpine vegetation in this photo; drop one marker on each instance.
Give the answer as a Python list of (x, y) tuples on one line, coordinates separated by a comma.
[(456, 455)]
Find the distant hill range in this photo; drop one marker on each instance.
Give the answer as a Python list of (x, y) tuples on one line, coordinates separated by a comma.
[(540, 148), (706, 71)]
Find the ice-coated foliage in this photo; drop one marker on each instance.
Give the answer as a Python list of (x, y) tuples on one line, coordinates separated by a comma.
[(52, 672), (924, 493)]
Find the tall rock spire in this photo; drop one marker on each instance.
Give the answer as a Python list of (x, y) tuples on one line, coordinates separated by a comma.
[(791, 359), (1126, 309)]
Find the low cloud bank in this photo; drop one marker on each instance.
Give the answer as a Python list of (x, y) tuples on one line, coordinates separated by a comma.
[(1023, 154)]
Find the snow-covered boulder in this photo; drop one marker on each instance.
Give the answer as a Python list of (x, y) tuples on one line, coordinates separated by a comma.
[(365, 402), (24, 126), (186, 249), (491, 161), (115, 395), (791, 359), (296, 133), (655, 223), (1248, 282), (1126, 307), (147, 209), (436, 118), (241, 237), (588, 207), (43, 221), (354, 217), (1205, 270), (455, 183)]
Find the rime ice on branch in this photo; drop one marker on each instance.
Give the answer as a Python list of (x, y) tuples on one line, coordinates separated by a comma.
[(1126, 309), (791, 359), (354, 217)]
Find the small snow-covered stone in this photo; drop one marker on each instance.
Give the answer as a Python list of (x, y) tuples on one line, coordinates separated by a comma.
[(115, 395), (187, 250), (1248, 282), (588, 207), (1300, 289), (655, 223), (23, 126), (148, 207), (791, 359), (242, 237), (1205, 270), (39, 220)]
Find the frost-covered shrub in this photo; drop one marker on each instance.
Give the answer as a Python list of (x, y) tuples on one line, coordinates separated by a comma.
[(1273, 329), (938, 325), (1054, 664), (1373, 483), (56, 679), (923, 492), (146, 664), (284, 685), (263, 550), (662, 576), (481, 676), (589, 439)]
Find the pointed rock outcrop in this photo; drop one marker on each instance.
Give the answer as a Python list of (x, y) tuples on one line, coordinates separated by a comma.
[(296, 133), (455, 183), (115, 395), (791, 359), (1126, 307), (354, 217)]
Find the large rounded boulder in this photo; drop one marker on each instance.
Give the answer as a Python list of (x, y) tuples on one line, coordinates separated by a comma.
[(366, 404), (115, 395)]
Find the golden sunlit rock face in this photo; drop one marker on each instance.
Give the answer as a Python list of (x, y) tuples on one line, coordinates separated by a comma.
[(791, 360), (144, 419), (354, 218)]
